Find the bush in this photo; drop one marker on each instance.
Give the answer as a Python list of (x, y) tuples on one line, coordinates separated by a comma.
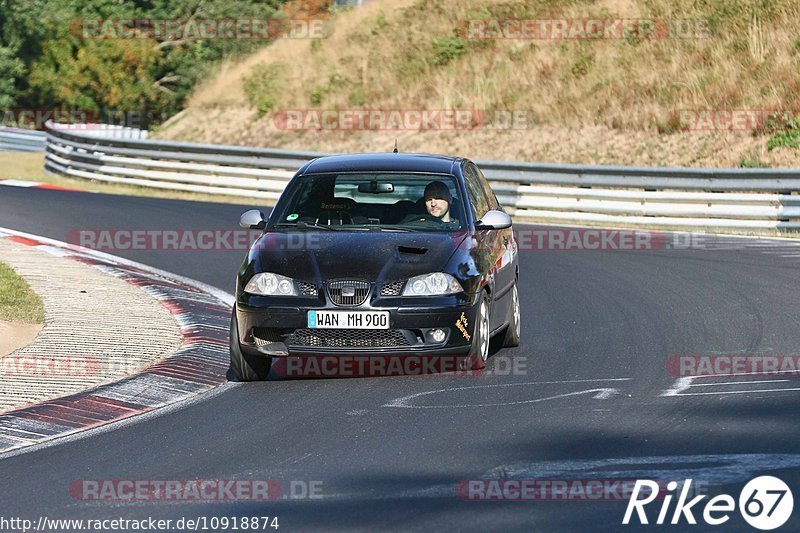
[(446, 50), (262, 87), (318, 95), (786, 138)]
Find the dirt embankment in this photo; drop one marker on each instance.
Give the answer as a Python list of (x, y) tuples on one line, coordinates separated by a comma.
[(635, 99)]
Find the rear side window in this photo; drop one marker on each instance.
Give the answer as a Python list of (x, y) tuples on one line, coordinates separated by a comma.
[(475, 191)]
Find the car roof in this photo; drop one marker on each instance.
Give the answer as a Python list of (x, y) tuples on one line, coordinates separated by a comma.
[(383, 162)]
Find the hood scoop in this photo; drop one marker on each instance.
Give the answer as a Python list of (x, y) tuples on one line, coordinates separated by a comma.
[(411, 250)]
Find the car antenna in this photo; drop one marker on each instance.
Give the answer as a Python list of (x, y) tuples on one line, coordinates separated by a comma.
[(395, 146)]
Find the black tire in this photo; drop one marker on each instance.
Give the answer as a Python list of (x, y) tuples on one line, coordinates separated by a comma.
[(512, 335), (479, 352), (246, 367)]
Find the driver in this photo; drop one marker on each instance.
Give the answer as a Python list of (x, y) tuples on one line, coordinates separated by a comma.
[(437, 200)]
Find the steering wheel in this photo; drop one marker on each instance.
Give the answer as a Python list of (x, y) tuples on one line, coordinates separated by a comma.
[(422, 218)]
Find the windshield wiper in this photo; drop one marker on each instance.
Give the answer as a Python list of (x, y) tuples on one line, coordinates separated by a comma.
[(376, 228), (305, 225), (387, 228)]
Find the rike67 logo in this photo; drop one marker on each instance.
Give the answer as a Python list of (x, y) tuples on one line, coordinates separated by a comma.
[(765, 503)]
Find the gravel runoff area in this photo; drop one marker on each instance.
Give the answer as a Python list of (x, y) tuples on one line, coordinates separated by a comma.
[(98, 328)]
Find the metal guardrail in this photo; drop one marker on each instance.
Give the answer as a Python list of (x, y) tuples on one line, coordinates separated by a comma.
[(21, 140), (226, 170), (744, 199), (114, 131)]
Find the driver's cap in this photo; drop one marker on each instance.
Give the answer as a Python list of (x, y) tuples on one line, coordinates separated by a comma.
[(437, 189)]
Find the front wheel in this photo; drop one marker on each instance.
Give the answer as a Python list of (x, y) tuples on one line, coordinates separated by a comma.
[(479, 352), (246, 367), (512, 336)]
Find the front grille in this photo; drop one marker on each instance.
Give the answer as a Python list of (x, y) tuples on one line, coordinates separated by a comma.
[(349, 292), (348, 338), (395, 288), (307, 289)]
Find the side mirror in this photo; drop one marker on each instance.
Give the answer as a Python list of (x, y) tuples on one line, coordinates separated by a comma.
[(253, 219), (494, 219)]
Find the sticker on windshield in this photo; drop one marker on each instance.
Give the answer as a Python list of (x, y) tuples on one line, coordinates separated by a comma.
[(292, 217)]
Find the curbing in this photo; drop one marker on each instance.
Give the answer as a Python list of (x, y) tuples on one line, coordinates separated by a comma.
[(37, 185), (87, 312), (199, 365)]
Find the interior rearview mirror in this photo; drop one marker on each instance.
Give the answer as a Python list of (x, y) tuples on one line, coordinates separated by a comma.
[(374, 187)]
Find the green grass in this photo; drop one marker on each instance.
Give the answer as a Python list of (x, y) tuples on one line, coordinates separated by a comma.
[(752, 162), (18, 303), (786, 138)]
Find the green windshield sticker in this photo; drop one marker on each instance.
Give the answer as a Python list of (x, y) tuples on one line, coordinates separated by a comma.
[(292, 217)]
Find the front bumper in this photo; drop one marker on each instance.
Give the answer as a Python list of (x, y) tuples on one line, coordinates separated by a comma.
[(263, 321)]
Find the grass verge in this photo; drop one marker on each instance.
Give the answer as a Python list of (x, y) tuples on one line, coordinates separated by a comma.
[(18, 303), (30, 167)]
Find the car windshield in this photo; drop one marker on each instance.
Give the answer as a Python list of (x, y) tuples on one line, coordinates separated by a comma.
[(372, 201)]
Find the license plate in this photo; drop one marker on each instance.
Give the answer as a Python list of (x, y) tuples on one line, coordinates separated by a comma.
[(348, 319)]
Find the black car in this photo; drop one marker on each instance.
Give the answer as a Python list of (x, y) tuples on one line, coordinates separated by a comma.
[(377, 255)]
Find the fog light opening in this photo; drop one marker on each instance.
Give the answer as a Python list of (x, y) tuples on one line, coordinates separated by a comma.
[(438, 335)]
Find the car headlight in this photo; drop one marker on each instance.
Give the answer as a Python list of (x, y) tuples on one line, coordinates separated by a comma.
[(268, 284), (434, 284)]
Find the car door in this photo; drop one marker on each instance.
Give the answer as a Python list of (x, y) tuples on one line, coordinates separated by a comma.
[(489, 244), (506, 274)]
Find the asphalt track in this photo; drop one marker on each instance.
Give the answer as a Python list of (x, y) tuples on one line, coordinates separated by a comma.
[(587, 402)]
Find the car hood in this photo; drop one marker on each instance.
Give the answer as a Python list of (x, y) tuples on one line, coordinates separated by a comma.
[(370, 256)]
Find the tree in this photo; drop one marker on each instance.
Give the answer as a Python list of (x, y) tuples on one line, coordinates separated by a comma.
[(49, 60)]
